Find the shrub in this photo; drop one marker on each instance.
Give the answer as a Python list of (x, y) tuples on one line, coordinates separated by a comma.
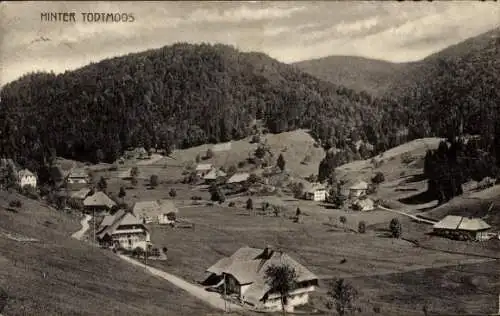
[(209, 154), (407, 158), (395, 228), (376, 309), (15, 203), (242, 164), (255, 139), (362, 227), (153, 181), (231, 204), (249, 204), (378, 178), (172, 193)]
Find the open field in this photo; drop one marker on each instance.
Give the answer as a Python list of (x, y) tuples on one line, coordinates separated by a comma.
[(220, 231), (79, 279)]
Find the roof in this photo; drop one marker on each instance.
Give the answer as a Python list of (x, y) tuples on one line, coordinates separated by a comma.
[(99, 199), (461, 223), (78, 173), (365, 204), (248, 266), (203, 167), (111, 223), (125, 173), (214, 174), (360, 185), (81, 194), (25, 173), (239, 177), (154, 208), (167, 206), (313, 187)]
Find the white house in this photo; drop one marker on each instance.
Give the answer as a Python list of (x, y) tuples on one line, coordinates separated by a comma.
[(242, 275), (203, 168), (157, 212), (78, 176), (26, 178), (358, 189), (315, 192), (363, 204), (123, 230)]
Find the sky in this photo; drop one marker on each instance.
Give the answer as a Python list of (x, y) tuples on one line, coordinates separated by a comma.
[(288, 31)]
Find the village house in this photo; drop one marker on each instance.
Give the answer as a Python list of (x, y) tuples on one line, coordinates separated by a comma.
[(213, 175), (123, 230), (77, 198), (365, 204), (98, 202), (203, 168), (157, 212), (358, 189), (238, 178), (26, 178), (315, 192), (242, 275), (136, 153), (459, 227), (78, 176)]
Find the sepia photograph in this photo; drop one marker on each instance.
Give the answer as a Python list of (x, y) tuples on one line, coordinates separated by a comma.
[(248, 158)]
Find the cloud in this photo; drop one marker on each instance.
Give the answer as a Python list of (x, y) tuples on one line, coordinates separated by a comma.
[(288, 31)]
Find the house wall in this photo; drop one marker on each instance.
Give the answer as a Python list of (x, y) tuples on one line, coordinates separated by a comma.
[(131, 241), (77, 181), (320, 195), (29, 180), (298, 297)]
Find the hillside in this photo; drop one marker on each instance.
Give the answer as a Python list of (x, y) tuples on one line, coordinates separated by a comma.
[(80, 279), (357, 73), (177, 96)]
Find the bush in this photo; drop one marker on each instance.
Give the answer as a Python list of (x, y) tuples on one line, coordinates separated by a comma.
[(255, 139), (395, 228), (209, 154), (378, 178), (231, 204), (242, 164), (15, 203), (196, 198), (249, 204), (362, 227), (172, 193), (376, 309), (153, 181)]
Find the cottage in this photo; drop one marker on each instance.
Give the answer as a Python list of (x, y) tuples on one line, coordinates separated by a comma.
[(98, 202), (158, 212), (123, 230), (78, 176), (136, 153), (77, 197), (358, 189), (213, 175), (242, 275), (238, 177), (315, 192), (363, 204), (461, 227), (26, 178), (203, 168)]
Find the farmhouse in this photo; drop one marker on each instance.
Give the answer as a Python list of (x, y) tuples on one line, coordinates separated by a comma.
[(77, 197), (78, 176), (242, 275), (203, 168), (315, 192), (358, 189), (98, 202), (158, 212), (238, 177), (213, 175), (26, 178), (123, 230), (363, 204), (462, 227)]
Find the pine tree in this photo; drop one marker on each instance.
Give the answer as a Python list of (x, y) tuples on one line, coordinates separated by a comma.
[(281, 162)]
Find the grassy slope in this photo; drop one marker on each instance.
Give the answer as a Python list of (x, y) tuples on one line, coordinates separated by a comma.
[(81, 280), (220, 231)]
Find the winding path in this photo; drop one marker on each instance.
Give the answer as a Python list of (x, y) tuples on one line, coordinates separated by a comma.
[(85, 226), (212, 298), (418, 219)]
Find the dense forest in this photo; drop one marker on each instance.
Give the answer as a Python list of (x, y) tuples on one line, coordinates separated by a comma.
[(179, 96)]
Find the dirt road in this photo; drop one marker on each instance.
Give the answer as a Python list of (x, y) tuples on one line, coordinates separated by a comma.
[(418, 219), (211, 298), (85, 226)]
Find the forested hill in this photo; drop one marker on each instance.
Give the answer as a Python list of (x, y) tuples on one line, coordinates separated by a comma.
[(181, 95)]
